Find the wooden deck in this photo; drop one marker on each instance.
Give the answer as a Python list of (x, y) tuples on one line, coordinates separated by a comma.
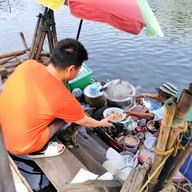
[(90, 156)]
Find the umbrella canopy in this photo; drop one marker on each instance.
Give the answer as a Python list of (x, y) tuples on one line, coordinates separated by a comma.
[(127, 15), (52, 4)]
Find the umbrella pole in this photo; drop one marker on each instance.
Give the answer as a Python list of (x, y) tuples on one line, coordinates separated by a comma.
[(79, 30)]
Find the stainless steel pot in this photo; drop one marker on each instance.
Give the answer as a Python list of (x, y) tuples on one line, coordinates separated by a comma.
[(93, 96), (120, 94)]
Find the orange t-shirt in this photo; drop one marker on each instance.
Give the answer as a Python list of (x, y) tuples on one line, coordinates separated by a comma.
[(31, 99)]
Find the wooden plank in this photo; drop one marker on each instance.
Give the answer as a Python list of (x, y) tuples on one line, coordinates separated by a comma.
[(93, 186), (6, 178), (86, 159), (60, 170), (97, 138), (93, 148)]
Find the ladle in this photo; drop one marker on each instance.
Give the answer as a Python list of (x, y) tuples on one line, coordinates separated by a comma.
[(110, 83)]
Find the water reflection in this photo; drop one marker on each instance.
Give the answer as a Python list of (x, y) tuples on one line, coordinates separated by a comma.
[(113, 53)]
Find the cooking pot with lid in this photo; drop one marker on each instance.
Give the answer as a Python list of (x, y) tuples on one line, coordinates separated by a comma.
[(93, 96), (120, 94)]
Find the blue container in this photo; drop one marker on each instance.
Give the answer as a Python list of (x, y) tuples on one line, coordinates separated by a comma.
[(186, 168)]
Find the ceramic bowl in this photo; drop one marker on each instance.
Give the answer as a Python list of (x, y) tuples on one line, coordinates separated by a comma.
[(112, 113), (150, 143), (151, 127)]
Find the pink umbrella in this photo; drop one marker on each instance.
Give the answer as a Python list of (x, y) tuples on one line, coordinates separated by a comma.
[(127, 15)]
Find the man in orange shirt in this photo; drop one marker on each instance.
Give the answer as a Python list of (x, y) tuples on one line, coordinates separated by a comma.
[(34, 96)]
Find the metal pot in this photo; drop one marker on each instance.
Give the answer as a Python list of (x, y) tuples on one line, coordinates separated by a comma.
[(93, 96), (120, 94)]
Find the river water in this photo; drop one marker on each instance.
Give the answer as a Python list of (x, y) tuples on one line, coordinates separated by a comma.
[(113, 53)]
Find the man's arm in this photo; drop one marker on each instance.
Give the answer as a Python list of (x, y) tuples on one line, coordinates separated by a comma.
[(91, 123)]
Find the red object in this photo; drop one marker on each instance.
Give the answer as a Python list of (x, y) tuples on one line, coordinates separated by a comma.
[(139, 129), (122, 14)]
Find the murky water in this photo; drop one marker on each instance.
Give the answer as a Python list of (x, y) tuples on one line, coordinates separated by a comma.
[(112, 53)]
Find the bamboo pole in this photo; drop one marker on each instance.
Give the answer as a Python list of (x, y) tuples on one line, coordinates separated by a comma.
[(40, 46), (162, 140), (179, 123), (53, 24), (33, 46), (16, 53), (24, 43), (170, 164), (49, 32), (6, 60), (42, 34), (20, 59)]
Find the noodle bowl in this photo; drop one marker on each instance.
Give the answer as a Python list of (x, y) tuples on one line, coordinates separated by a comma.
[(114, 114)]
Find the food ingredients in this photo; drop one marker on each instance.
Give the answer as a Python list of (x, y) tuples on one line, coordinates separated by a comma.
[(151, 125), (130, 140), (113, 115)]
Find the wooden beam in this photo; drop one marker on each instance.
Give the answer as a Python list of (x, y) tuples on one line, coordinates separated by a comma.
[(93, 186), (6, 179), (16, 53)]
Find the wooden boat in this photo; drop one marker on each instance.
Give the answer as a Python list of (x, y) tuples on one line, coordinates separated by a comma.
[(91, 152)]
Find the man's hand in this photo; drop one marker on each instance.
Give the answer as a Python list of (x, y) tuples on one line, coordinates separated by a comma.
[(106, 122)]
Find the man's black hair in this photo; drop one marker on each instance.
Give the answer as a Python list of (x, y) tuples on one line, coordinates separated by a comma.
[(68, 52)]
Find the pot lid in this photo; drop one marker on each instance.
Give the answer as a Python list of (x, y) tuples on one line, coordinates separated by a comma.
[(120, 91), (93, 90)]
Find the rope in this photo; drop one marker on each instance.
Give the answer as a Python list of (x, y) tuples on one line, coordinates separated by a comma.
[(178, 120), (173, 150), (146, 183), (177, 128), (178, 146), (163, 153)]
